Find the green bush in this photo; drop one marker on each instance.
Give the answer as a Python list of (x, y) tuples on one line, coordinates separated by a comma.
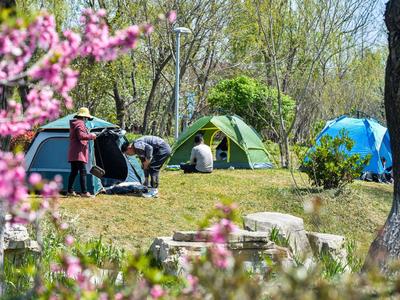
[(329, 164)]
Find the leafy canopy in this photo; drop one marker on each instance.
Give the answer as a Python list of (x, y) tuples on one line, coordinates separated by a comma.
[(254, 101)]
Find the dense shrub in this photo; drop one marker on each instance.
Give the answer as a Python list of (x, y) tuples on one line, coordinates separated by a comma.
[(329, 164)]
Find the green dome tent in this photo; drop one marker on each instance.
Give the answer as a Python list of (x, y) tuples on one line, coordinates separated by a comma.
[(47, 154), (245, 148)]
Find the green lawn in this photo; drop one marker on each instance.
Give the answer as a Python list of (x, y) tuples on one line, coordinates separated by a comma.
[(133, 222)]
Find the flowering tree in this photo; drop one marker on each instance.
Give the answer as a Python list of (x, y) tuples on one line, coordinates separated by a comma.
[(49, 80)]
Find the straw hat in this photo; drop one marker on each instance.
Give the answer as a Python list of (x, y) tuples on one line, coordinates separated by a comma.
[(84, 112)]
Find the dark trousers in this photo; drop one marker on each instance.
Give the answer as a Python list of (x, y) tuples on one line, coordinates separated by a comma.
[(154, 168), (77, 166), (189, 168)]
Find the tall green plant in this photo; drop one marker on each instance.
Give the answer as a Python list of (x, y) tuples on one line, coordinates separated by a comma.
[(330, 164)]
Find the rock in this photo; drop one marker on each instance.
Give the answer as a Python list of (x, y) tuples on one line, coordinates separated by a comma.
[(17, 243), (170, 253), (250, 247), (16, 237), (328, 243), (97, 276), (34, 246), (290, 227)]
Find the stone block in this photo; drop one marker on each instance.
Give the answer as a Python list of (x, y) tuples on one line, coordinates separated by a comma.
[(290, 227), (328, 243), (172, 253)]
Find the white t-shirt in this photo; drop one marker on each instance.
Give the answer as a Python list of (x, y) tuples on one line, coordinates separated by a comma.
[(202, 157)]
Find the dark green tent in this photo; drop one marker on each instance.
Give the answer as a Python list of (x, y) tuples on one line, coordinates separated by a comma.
[(245, 148)]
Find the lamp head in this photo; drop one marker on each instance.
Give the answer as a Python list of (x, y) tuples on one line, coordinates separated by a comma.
[(182, 30)]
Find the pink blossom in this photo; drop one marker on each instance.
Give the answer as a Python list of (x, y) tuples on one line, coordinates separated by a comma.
[(56, 215), (44, 28), (157, 292), (220, 231), (221, 256), (64, 226), (73, 267), (103, 296), (118, 296), (217, 234), (12, 179), (35, 179), (69, 240), (226, 209), (193, 282), (51, 190), (148, 29), (171, 16), (55, 267)]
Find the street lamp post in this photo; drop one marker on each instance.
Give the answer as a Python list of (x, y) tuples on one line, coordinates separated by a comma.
[(178, 31)]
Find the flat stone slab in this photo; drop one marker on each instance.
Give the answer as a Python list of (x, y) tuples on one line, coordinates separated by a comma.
[(289, 227), (188, 236), (240, 236), (245, 236)]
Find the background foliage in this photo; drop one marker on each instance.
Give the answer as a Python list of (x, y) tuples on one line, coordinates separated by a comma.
[(325, 58)]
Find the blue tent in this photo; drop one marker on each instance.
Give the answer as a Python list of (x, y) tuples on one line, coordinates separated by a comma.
[(47, 154), (369, 136)]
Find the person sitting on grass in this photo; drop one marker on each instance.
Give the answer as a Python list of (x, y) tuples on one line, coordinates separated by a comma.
[(201, 158), (153, 152)]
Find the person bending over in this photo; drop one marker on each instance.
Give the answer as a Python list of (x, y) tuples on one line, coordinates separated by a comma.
[(153, 152), (78, 152), (201, 158)]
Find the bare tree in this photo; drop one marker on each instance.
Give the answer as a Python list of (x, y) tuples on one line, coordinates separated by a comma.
[(295, 36)]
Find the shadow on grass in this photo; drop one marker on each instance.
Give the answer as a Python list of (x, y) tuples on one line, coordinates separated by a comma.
[(378, 191), (304, 191)]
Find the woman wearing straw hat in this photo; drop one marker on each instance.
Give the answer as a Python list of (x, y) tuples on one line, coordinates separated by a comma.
[(78, 152)]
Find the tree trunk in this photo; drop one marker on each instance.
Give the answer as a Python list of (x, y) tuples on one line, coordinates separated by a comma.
[(150, 102), (119, 107), (5, 93), (386, 246), (150, 99), (164, 129), (23, 92)]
